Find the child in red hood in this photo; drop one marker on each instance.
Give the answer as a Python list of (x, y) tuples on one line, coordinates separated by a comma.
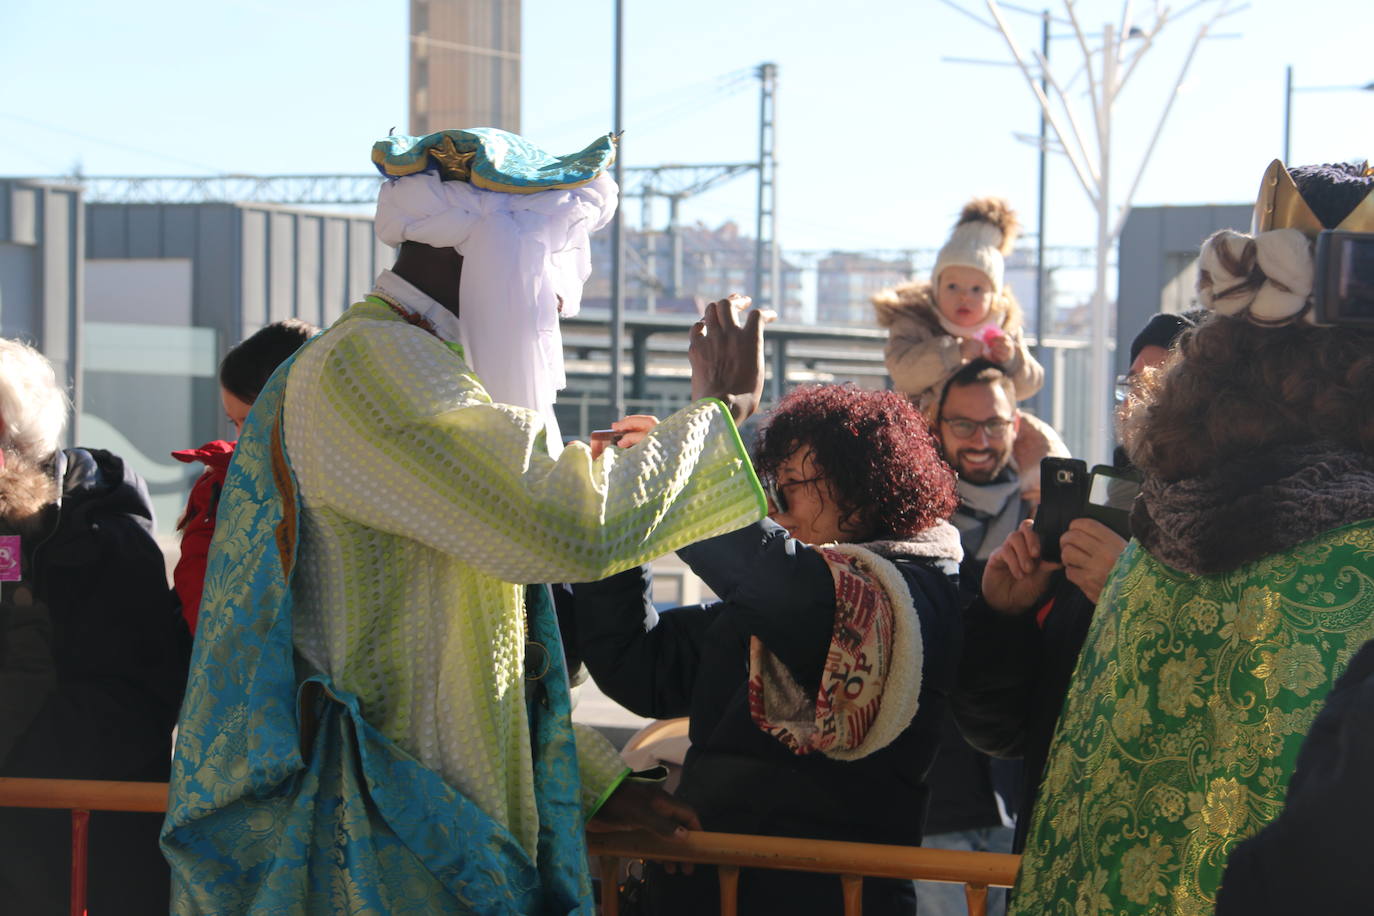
[(245, 369)]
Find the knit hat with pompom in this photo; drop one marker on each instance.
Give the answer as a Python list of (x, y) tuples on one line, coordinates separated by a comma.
[(982, 239)]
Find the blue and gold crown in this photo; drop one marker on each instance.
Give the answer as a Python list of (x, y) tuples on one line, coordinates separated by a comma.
[(492, 159)]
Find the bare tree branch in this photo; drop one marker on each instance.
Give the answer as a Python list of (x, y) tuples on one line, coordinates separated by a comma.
[(1125, 29), (1125, 209), (974, 16), (1073, 121), (1088, 63), (1085, 175)]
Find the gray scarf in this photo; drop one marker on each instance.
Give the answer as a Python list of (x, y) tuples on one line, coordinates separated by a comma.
[(1253, 506), (988, 513)]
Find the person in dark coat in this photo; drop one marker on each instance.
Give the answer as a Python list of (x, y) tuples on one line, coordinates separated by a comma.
[(93, 654), (817, 686), (1022, 638)]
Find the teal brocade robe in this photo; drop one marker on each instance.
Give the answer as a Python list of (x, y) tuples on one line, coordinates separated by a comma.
[(361, 618)]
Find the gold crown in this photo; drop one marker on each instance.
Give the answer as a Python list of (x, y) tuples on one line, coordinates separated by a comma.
[(1280, 206)]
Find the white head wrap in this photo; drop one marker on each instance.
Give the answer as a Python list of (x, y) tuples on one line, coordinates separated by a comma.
[(1266, 277), (522, 254)]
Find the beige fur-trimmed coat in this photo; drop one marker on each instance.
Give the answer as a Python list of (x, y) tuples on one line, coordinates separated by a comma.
[(921, 355)]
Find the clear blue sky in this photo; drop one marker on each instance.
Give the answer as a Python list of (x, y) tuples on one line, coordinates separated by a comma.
[(880, 139)]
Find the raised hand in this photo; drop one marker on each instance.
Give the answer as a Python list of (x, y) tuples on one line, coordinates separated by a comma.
[(727, 356), (1016, 576)]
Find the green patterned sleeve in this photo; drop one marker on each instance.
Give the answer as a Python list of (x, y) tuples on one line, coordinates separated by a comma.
[(432, 458), (600, 766)]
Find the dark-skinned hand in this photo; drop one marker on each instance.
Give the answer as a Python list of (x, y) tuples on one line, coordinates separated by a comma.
[(638, 805), (727, 356)]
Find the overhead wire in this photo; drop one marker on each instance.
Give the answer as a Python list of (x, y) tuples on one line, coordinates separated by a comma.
[(113, 144)]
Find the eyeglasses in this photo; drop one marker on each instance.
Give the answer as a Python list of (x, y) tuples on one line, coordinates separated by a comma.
[(1127, 385), (777, 493), (995, 428)]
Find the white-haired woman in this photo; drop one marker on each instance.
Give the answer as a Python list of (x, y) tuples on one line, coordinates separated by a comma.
[(92, 652)]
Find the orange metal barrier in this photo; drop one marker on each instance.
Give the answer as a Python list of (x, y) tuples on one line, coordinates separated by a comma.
[(81, 797), (977, 871)]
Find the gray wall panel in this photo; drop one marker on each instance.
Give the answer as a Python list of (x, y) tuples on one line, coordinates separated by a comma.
[(145, 232), (382, 255), (19, 292), (281, 269), (253, 300), (179, 225), (58, 324), (107, 231), (23, 213), (334, 265), (216, 282), (41, 273), (360, 259), (308, 268)]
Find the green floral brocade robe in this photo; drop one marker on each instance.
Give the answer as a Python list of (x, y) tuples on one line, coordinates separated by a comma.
[(1183, 723)]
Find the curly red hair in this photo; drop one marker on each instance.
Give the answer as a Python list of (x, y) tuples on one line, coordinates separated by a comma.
[(875, 448)]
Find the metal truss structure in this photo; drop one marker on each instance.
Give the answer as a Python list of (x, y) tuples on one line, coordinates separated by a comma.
[(673, 182)]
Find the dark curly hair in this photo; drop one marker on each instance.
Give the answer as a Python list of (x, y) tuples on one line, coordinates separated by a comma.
[(1233, 388), (874, 447), (248, 365)]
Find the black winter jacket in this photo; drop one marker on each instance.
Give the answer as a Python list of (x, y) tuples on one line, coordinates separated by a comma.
[(1012, 681), (694, 661), (117, 652)]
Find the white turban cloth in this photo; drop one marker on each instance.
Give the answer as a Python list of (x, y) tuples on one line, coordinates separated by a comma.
[(525, 259), (1267, 277)]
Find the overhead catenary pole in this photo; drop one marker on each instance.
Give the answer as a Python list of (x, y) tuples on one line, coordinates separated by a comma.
[(766, 255), (617, 392)]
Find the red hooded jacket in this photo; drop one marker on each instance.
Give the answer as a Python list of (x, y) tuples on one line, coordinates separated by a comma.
[(197, 524)]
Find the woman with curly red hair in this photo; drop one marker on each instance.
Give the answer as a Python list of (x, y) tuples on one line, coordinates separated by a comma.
[(816, 687)]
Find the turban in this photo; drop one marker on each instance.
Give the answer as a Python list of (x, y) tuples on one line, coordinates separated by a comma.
[(526, 255)]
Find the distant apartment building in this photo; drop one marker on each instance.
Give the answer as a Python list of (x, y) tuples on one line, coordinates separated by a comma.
[(679, 272), (464, 64), (846, 281)]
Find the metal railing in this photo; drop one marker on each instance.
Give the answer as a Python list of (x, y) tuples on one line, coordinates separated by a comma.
[(730, 852), (852, 862)]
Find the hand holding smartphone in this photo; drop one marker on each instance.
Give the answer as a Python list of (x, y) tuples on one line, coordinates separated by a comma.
[(1069, 491)]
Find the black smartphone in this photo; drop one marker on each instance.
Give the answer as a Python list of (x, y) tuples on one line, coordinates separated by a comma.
[(1069, 491), (1063, 492)]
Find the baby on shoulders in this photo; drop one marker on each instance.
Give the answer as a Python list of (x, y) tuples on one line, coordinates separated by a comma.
[(964, 312)]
